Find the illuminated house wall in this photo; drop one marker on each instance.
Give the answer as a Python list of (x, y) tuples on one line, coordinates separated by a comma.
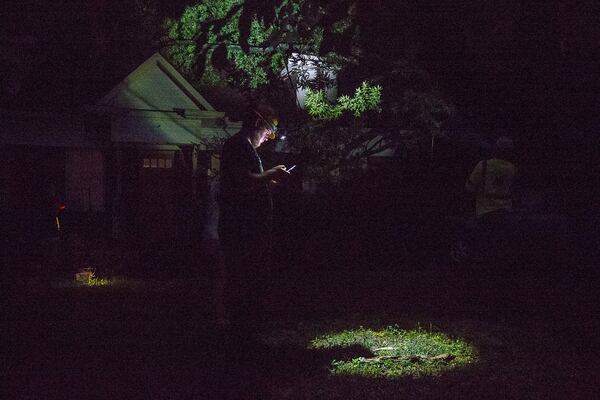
[(155, 105), (158, 125)]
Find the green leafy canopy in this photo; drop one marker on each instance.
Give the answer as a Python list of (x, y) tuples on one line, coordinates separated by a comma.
[(270, 48), (227, 42), (366, 98)]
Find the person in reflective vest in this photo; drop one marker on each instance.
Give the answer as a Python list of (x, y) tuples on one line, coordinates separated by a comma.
[(492, 180)]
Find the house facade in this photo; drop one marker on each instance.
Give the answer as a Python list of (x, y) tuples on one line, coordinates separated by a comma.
[(137, 159)]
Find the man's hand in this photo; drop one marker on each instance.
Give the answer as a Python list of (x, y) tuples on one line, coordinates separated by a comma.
[(277, 173)]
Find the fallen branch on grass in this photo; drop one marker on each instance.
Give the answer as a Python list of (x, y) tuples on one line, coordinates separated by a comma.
[(445, 357)]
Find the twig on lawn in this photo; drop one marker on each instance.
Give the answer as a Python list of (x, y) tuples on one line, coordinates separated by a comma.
[(413, 358)]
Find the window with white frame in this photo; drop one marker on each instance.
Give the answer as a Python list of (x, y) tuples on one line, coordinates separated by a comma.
[(162, 163)]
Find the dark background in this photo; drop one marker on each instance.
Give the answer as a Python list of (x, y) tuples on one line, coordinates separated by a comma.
[(529, 72), (375, 246)]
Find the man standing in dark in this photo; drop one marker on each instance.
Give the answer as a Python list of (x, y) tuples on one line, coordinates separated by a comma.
[(492, 181), (246, 213), (494, 228)]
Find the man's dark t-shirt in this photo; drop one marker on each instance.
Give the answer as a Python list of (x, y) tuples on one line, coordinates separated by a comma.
[(245, 206)]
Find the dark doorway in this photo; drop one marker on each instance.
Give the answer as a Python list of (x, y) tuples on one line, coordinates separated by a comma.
[(157, 201)]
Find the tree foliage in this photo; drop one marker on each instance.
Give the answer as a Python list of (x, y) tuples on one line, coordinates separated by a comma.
[(265, 47), (366, 98), (244, 43)]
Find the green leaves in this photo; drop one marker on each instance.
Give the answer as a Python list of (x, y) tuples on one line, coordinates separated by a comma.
[(260, 35), (213, 40), (366, 98), (319, 108), (272, 48)]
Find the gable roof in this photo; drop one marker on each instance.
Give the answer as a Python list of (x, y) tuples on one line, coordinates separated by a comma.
[(156, 104), (156, 73)]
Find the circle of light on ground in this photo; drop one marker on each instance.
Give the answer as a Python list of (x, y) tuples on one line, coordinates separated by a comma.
[(393, 352)]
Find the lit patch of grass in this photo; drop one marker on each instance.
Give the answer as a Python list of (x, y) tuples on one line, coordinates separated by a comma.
[(396, 352), (119, 283), (95, 281)]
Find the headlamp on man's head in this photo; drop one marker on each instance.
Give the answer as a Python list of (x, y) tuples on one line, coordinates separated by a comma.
[(271, 126)]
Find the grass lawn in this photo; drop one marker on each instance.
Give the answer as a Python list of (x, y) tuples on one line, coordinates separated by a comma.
[(405, 334)]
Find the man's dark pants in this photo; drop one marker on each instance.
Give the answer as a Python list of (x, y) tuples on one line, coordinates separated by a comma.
[(247, 259)]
